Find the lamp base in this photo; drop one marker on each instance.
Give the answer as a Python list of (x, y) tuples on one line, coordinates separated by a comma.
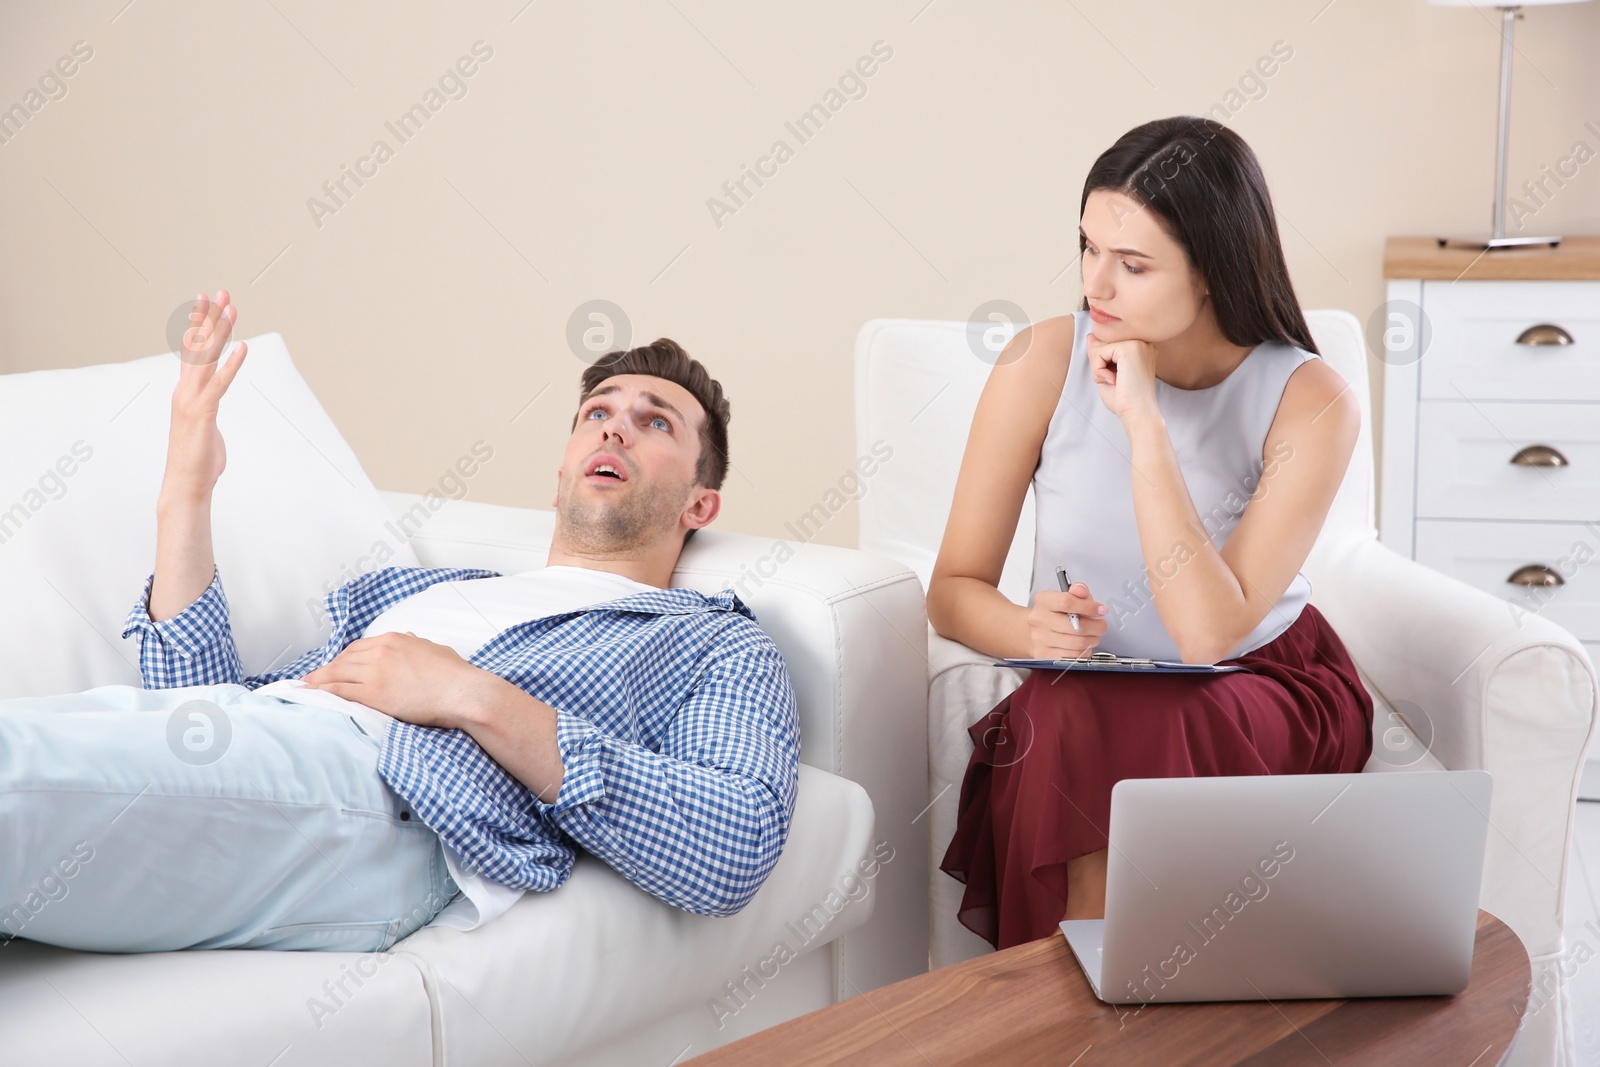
[(1491, 243)]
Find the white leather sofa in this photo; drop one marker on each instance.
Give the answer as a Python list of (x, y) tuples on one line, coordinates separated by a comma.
[(595, 973), (1456, 681)]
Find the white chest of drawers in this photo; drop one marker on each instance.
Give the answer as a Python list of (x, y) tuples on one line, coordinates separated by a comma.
[(1491, 423)]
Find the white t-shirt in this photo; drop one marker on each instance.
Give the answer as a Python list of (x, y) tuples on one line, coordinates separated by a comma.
[(465, 615)]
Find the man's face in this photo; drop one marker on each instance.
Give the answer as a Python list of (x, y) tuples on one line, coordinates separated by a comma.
[(628, 475)]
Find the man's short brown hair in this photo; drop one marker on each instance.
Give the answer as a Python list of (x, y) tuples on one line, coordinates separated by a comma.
[(665, 358)]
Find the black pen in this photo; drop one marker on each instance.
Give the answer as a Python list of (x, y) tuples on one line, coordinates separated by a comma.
[(1065, 583)]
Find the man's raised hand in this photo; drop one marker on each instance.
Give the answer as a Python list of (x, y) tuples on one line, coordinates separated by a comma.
[(196, 455)]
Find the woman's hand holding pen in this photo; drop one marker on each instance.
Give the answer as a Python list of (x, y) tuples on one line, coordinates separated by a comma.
[(1051, 634)]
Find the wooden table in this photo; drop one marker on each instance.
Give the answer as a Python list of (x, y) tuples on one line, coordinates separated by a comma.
[(1032, 1005)]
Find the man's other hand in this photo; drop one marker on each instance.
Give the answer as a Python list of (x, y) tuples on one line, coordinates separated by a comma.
[(409, 677)]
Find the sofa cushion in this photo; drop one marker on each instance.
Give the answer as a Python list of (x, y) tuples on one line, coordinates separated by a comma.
[(81, 458), (561, 972), (211, 1009)]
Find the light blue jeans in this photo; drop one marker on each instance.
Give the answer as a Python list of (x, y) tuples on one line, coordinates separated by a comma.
[(209, 816)]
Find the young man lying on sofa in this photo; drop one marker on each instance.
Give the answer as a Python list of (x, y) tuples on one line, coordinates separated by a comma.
[(457, 737)]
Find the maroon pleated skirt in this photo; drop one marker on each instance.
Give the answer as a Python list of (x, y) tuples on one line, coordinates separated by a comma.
[(1037, 792)]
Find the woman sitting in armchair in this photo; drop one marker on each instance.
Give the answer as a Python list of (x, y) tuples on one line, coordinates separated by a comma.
[(1184, 442)]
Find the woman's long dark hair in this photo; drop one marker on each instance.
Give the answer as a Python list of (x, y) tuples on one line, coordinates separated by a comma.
[(1206, 187)]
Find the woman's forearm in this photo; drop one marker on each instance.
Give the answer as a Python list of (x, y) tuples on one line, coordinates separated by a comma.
[(978, 615), (1194, 590)]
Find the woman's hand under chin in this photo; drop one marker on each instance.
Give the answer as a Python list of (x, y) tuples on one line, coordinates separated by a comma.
[(1124, 373)]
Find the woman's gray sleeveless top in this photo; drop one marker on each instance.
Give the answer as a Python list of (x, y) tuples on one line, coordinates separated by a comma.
[(1083, 490)]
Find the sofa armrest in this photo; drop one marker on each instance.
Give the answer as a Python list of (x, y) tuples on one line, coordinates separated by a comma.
[(853, 630), (1511, 694)]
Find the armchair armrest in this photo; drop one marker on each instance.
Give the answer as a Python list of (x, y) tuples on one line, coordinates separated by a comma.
[(1515, 695), (1459, 655)]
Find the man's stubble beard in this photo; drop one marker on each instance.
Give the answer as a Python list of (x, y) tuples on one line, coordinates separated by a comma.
[(598, 527)]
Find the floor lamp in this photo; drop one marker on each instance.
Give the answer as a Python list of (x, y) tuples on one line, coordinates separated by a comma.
[(1509, 13)]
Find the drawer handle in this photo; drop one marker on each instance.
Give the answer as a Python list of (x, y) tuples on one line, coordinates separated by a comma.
[(1539, 456), (1536, 574), (1544, 334)]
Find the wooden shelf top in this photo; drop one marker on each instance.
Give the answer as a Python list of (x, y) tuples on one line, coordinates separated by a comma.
[(1574, 259)]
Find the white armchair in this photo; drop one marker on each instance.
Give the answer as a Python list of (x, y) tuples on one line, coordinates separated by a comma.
[(1456, 681)]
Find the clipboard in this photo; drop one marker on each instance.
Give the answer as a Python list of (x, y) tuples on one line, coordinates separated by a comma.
[(1106, 661)]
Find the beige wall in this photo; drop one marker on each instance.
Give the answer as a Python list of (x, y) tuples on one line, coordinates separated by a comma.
[(431, 308)]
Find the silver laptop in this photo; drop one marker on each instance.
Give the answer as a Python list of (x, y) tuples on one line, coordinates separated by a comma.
[(1285, 886)]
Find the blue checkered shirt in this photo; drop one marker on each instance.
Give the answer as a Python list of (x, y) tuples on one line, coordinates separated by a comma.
[(675, 719)]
